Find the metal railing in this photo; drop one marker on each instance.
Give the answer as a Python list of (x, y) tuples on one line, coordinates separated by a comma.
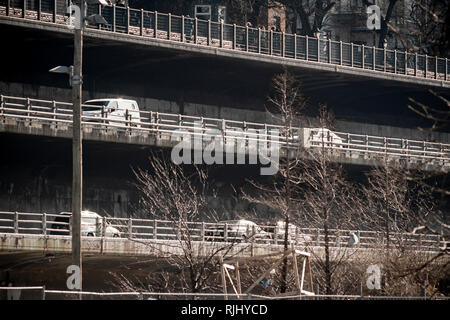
[(153, 229), (170, 27), (58, 115), (41, 293)]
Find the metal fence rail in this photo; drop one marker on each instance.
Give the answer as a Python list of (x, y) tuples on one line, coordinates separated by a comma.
[(41, 293), (256, 41), (58, 115), (153, 229)]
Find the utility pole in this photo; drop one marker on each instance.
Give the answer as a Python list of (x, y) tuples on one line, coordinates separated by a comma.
[(77, 155)]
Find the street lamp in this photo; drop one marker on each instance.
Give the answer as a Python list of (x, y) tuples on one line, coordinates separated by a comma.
[(65, 70), (76, 77)]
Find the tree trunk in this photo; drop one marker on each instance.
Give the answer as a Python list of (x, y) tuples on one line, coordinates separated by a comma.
[(384, 23)]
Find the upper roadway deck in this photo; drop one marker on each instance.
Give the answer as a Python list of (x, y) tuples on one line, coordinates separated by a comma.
[(232, 73), (237, 42)]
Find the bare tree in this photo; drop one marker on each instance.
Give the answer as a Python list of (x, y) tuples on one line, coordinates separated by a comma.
[(429, 27), (439, 114), (328, 201), (286, 104), (310, 189), (179, 195), (385, 19), (311, 14), (402, 204)]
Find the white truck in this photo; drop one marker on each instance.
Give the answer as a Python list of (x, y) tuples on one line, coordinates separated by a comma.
[(108, 109)]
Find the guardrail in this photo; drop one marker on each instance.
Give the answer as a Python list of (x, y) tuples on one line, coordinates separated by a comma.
[(58, 115), (153, 229), (183, 29), (41, 293)]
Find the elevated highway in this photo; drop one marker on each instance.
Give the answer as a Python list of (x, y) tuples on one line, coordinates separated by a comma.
[(217, 65), (54, 119)]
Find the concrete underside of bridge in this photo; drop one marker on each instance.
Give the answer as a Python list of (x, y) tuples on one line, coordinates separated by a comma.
[(127, 69), (36, 173)]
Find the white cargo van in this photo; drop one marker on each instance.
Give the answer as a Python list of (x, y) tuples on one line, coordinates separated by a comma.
[(112, 109), (91, 225)]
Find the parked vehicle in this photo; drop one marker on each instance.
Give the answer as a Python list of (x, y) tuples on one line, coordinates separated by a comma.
[(110, 109), (325, 136), (91, 225), (238, 230)]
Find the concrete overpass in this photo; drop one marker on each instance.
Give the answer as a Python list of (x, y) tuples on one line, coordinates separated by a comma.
[(53, 119), (27, 247), (227, 73)]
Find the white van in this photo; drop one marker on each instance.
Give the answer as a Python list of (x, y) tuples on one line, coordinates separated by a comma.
[(112, 109), (91, 225)]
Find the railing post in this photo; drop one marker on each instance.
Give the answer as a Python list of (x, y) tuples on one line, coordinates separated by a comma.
[(283, 44), (415, 66), (351, 54), (169, 26), (295, 46), (318, 49), (406, 63), (16, 222), (128, 20), (307, 48), (202, 231), (221, 34), (155, 27), (225, 232), (99, 9), (155, 229), (2, 105), (246, 38), (28, 113), (39, 9), (8, 6), (130, 228), (234, 36), (275, 234), (329, 50), (340, 53), (259, 40), (195, 30), (395, 61), (317, 237), (114, 18), (384, 61), (271, 42), (182, 29), (103, 227), (55, 11), (141, 27), (374, 59), (24, 8), (446, 69), (208, 38), (426, 66), (436, 68), (44, 224), (363, 57)]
